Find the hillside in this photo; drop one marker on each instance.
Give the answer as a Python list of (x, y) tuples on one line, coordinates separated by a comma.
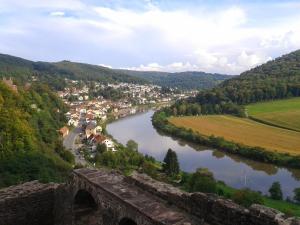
[(277, 79), (183, 80), (54, 73), (30, 147)]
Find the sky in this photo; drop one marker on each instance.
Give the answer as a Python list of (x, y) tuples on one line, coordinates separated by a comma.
[(228, 36)]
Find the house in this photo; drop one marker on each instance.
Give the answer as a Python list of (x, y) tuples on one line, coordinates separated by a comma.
[(98, 129), (90, 129), (73, 122), (109, 144), (99, 139), (64, 131), (103, 118)]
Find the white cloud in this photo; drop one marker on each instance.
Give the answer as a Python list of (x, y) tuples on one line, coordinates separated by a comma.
[(105, 65), (227, 39), (172, 67), (57, 13)]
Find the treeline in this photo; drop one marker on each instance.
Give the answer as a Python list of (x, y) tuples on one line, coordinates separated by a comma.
[(276, 79), (195, 80), (30, 147), (126, 159), (182, 108), (160, 121)]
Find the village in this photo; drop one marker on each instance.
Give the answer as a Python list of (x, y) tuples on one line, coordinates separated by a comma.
[(92, 105)]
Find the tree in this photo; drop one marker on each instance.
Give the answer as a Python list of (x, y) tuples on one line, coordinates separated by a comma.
[(246, 197), (171, 165), (275, 191), (101, 148), (132, 145), (202, 181), (297, 194)]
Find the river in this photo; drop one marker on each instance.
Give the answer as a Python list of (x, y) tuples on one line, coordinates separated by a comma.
[(235, 171)]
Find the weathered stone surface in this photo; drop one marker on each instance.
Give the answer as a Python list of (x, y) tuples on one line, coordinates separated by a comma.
[(27, 204), (211, 208), (104, 197)]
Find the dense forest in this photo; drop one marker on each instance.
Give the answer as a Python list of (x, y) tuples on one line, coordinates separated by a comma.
[(55, 73), (183, 80), (276, 79), (30, 147)]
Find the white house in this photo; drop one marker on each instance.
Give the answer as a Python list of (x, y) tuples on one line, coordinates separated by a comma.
[(98, 129), (73, 122), (109, 144)]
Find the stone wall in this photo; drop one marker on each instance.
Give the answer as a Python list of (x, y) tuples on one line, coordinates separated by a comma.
[(213, 209), (28, 204), (34, 203)]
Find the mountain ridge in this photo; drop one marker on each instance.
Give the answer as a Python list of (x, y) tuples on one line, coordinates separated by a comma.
[(19, 67)]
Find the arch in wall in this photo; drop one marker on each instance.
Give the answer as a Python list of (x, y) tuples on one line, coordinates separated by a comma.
[(127, 221), (84, 206)]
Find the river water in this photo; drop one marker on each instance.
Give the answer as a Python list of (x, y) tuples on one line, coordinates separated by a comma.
[(235, 171)]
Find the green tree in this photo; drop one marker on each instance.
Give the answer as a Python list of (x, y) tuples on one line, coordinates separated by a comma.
[(132, 145), (275, 191), (171, 165), (297, 194), (202, 181), (101, 148), (246, 197)]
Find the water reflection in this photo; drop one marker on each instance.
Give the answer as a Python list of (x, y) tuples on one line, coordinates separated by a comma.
[(234, 170)]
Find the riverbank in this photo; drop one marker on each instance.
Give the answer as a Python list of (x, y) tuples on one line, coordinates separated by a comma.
[(161, 122), (232, 169)]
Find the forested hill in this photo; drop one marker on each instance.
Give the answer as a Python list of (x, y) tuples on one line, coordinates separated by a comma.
[(54, 73), (183, 80), (276, 79), (30, 147)]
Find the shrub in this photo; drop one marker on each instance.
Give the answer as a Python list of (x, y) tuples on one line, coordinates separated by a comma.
[(246, 197)]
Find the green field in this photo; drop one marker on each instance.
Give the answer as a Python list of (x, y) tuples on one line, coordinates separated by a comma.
[(241, 130), (282, 113)]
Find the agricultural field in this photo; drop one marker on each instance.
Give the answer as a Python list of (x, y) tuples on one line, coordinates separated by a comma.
[(242, 130), (282, 113)]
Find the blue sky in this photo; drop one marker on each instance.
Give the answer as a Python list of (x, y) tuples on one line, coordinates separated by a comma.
[(168, 35)]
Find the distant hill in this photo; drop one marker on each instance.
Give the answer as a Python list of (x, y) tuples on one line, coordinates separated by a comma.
[(54, 74), (182, 80)]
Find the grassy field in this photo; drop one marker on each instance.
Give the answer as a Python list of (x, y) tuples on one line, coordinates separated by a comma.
[(283, 113), (243, 131)]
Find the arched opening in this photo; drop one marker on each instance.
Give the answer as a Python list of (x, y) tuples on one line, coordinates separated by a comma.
[(127, 221), (84, 207)]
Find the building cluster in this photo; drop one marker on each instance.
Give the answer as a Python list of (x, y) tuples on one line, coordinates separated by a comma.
[(89, 111), (132, 94)]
